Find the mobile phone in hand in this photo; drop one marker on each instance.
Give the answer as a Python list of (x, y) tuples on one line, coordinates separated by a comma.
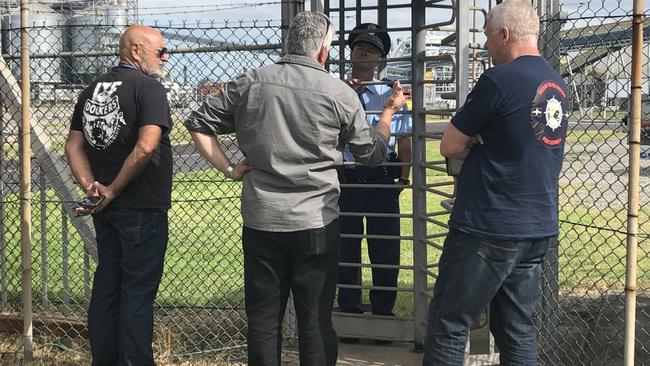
[(90, 202)]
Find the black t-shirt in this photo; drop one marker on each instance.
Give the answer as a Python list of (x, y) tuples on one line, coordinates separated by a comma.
[(507, 188), (110, 112)]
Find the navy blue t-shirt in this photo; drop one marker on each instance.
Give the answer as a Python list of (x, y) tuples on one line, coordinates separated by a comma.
[(507, 188)]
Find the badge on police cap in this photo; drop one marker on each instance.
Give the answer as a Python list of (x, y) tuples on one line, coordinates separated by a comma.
[(373, 34)]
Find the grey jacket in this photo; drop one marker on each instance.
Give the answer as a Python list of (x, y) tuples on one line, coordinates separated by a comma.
[(291, 120)]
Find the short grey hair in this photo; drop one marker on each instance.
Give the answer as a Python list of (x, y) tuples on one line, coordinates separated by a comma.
[(518, 16), (307, 33)]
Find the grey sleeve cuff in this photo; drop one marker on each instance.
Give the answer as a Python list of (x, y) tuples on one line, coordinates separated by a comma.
[(194, 124), (213, 117), (378, 155)]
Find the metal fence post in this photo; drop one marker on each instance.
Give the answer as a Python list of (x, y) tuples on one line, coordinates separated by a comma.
[(3, 254), (64, 262), (87, 287), (43, 194), (462, 52), (549, 45), (550, 26), (25, 184), (317, 5), (633, 184), (290, 9), (420, 296)]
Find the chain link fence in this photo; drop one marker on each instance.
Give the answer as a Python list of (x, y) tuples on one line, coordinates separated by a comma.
[(199, 310), (199, 307), (582, 314)]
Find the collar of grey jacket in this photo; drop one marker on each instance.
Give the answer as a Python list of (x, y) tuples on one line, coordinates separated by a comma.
[(301, 60)]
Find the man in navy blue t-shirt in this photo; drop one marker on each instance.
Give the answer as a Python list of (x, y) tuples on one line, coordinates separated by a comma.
[(510, 133)]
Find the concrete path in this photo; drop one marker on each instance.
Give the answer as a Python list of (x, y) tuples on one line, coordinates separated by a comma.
[(367, 353)]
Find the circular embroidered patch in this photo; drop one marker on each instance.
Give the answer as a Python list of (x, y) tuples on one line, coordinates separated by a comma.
[(549, 114)]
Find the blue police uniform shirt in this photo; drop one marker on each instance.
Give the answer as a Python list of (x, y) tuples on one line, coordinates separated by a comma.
[(373, 98), (507, 188)]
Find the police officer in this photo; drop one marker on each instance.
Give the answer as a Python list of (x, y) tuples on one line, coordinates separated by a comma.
[(369, 44)]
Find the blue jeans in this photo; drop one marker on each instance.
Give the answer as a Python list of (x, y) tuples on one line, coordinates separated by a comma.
[(476, 273), (131, 248)]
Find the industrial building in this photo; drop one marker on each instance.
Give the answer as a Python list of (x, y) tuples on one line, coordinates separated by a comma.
[(85, 33)]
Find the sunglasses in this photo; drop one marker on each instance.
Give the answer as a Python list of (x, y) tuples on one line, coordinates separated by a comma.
[(162, 52)]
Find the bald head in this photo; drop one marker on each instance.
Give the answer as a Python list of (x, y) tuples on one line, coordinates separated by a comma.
[(139, 47), (137, 34)]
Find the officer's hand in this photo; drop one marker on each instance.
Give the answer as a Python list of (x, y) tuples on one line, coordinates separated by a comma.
[(397, 100), (403, 182)]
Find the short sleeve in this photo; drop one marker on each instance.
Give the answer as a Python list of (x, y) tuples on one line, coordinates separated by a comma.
[(153, 106), (404, 121), (76, 123), (480, 107), (367, 146), (215, 116)]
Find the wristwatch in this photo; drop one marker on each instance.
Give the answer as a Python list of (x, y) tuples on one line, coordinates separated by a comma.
[(404, 181), (229, 170)]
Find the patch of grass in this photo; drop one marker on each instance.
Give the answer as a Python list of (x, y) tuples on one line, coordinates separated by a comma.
[(404, 303), (593, 248), (597, 136), (203, 266)]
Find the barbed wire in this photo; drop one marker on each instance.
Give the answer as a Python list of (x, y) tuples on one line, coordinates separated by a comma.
[(216, 8), (208, 24), (218, 5)]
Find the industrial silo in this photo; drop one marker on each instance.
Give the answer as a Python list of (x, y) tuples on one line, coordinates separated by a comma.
[(45, 38), (116, 18), (91, 31)]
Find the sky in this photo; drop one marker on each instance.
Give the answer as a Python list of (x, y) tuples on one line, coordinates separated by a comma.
[(233, 10), (580, 12), (206, 12)]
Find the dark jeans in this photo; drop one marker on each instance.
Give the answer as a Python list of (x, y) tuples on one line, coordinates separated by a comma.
[(131, 248), (477, 272), (380, 251), (304, 262)]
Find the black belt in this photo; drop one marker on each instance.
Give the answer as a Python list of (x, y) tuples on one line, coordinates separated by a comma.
[(364, 174)]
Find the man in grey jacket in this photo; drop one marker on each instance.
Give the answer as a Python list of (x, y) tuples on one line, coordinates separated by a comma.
[(291, 120)]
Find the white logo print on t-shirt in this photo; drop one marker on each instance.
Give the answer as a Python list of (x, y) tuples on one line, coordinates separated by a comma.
[(102, 117)]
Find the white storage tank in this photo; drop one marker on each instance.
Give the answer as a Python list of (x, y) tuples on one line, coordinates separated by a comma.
[(45, 37), (94, 30)]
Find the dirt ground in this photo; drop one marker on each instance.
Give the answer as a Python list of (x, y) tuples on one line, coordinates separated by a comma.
[(588, 330)]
